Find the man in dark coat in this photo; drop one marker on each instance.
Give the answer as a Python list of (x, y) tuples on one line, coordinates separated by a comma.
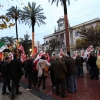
[(60, 74), (51, 71), (79, 64), (71, 73), (94, 72), (29, 69), (4, 75), (15, 73)]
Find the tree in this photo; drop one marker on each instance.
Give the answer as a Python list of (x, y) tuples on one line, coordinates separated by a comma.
[(26, 42), (81, 44), (31, 15), (63, 2), (4, 22), (52, 45), (89, 36), (13, 13)]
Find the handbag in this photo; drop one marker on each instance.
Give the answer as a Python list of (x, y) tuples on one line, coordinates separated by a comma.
[(45, 72)]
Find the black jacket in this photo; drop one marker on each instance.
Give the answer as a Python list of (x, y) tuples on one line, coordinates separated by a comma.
[(59, 69), (29, 66), (15, 69), (71, 67), (79, 61), (4, 69)]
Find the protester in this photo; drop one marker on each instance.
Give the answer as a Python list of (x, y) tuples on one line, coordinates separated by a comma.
[(60, 74), (35, 71), (4, 74), (29, 69), (0, 68), (52, 72), (96, 70), (42, 63), (79, 64), (92, 64), (15, 73), (71, 73)]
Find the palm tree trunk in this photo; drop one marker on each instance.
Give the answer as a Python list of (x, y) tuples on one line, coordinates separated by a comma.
[(66, 27), (32, 39), (16, 28), (16, 31)]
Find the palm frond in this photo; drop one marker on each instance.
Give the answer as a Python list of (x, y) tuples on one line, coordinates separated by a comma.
[(13, 11), (29, 13), (57, 1)]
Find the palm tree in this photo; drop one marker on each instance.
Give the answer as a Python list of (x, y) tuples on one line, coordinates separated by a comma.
[(13, 13), (63, 2), (31, 15)]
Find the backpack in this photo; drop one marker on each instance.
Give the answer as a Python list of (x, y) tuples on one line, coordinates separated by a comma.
[(98, 62)]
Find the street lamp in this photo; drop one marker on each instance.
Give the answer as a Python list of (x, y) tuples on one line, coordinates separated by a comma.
[(30, 49)]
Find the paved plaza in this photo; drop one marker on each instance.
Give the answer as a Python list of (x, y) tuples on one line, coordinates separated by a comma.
[(87, 90)]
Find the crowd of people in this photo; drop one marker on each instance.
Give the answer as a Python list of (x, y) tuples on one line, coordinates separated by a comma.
[(64, 72), (11, 72)]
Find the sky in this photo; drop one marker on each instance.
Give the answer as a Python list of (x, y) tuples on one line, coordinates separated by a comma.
[(79, 11)]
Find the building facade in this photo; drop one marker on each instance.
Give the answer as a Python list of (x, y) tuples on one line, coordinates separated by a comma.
[(59, 35)]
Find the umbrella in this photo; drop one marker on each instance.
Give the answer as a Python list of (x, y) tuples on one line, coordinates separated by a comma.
[(6, 50)]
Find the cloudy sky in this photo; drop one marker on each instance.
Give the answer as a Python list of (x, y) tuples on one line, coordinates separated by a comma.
[(79, 11)]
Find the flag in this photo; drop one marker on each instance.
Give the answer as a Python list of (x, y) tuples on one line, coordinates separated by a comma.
[(47, 57), (23, 55), (36, 50), (88, 51), (40, 55), (21, 48), (75, 54), (3, 46), (0, 55), (61, 53), (10, 55), (82, 53)]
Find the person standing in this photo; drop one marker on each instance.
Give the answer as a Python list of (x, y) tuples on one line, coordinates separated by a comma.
[(15, 73), (79, 64), (92, 64), (4, 75), (60, 70), (96, 70), (42, 63), (29, 69), (71, 73), (51, 71)]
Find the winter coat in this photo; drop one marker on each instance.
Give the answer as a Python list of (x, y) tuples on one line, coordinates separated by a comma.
[(29, 66), (59, 69), (79, 61), (15, 69), (92, 61), (41, 65), (4, 69), (71, 67)]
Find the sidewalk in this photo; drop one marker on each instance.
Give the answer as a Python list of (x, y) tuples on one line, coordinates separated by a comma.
[(26, 95)]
